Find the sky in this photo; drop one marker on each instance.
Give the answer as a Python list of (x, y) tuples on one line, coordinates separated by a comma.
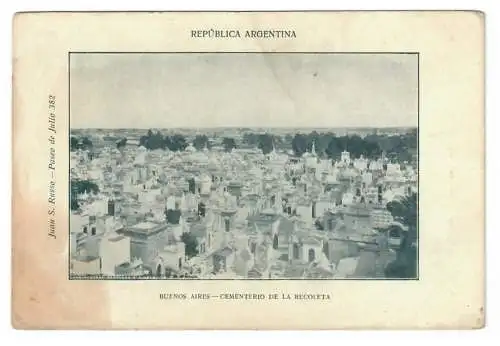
[(243, 90)]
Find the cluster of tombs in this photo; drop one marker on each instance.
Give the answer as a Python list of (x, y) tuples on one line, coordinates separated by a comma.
[(213, 214)]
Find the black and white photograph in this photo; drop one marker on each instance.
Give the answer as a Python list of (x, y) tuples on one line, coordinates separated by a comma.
[(243, 166)]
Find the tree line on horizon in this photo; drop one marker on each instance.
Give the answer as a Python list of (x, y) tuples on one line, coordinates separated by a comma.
[(401, 147), (83, 143)]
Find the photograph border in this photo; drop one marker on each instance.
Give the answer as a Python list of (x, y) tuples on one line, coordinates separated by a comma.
[(132, 278)]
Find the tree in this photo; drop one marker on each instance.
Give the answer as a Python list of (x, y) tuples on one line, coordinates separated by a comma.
[(83, 143), (411, 139), (79, 187), (191, 244), (86, 143), (200, 141), (406, 212), (372, 150), (74, 205), (323, 142), (356, 145), (177, 142), (333, 150), (343, 143), (73, 143), (405, 265), (265, 143), (395, 270), (394, 144), (251, 139), (143, 141), (299, 144), (167, 143), (229, 144), (83, 186), (155, 141), (121, 143)]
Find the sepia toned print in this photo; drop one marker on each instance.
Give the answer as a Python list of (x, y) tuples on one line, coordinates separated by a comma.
[(251, 198)]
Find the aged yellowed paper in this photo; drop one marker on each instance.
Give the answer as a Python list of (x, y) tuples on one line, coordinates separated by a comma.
[(251, 170)]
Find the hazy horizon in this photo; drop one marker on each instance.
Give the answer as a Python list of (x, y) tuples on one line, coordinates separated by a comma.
[(247, 127), (179, 91)]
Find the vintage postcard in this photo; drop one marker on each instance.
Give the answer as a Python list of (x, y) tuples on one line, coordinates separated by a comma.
[(251, 170)]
